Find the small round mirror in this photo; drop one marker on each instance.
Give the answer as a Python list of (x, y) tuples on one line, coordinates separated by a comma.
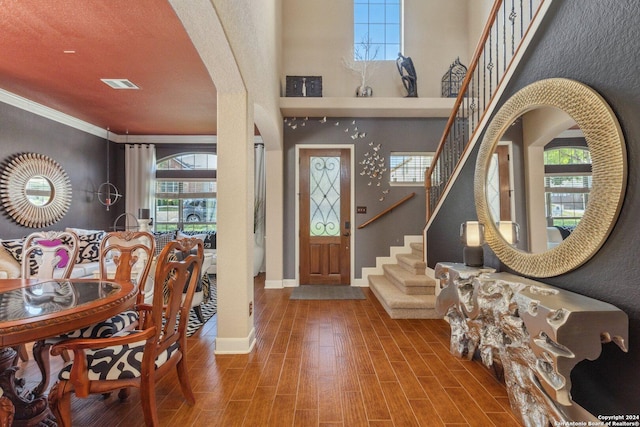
[(36, 191), (39, 190)]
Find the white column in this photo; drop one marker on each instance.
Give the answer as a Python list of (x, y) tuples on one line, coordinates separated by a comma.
[(274, 219), (236, 333)]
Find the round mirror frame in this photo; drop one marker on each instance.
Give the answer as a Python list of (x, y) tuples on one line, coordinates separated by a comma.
[(13, 187), (604, 138)]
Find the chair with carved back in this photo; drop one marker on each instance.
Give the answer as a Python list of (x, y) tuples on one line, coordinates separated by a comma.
[(47, 255), (124, 256), (139, 357)]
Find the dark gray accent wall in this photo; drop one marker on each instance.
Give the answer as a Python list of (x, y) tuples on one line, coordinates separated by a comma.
[(392, 135), (81, 155), (596, 42)]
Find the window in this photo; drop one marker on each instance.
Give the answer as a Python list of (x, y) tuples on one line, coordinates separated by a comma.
[(186, 193), (377, 29), (567, 184), (409, 168)]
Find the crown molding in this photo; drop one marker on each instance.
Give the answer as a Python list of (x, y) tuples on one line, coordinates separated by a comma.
[(67, 120), (51, 114)]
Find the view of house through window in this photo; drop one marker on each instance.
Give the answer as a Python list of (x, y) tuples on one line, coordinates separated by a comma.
[(184, 198), (377, 23), (567, 184), (408, 168)]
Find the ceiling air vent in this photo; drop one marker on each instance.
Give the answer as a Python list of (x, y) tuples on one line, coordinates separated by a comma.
[(120, 84)]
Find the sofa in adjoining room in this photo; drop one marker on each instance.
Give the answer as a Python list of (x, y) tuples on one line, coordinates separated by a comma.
[(87, 262)]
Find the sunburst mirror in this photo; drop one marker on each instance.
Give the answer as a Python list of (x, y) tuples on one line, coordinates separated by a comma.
[(35, 191)]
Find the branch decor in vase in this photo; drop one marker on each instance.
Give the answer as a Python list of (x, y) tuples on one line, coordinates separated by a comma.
[(363, 63)]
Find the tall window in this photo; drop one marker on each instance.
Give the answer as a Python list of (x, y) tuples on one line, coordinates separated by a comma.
[(567, 184), (377, 29), (186, 192)]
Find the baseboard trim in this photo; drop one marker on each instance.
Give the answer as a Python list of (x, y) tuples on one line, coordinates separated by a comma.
[(273, 284), (361, 283), (236, 345), (289, 283)]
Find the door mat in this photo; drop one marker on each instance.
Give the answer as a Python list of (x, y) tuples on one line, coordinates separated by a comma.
[(319, 292)]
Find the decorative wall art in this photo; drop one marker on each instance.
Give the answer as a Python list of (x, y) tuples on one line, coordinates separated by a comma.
[(372, 163), (35, 190)]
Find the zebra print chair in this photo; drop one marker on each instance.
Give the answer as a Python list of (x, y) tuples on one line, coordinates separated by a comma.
[(131, 252), (139, 357)]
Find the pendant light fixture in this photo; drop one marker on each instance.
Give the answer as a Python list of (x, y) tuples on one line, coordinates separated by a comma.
[(108, 193)]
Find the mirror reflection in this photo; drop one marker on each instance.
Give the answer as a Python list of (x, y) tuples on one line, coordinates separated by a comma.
[(539, 176), (39, 190), (550, 119)]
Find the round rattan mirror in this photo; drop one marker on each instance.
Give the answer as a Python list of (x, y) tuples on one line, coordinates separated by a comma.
[(604, 138), (36, 191)]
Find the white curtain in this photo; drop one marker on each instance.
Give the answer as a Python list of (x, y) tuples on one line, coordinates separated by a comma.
[(140, 174), (260, 195)]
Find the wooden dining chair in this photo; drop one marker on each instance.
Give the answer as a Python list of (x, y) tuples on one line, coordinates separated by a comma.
[(124, 256), (139, 357), (132, 253), (47, 255)]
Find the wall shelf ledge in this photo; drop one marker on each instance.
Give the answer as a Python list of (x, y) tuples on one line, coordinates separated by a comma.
[(366, 107)]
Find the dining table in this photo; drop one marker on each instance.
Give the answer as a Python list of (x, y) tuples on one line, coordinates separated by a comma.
[(35, 309)]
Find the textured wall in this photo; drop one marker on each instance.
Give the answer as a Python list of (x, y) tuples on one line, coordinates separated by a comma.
[(392, 135), (81, 155), (595, 42), (316, 36)]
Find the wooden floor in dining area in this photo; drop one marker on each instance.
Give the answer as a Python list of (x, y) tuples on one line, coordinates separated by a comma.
[(320, 363)]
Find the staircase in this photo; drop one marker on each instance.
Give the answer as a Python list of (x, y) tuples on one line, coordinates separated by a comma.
[(403, 289)]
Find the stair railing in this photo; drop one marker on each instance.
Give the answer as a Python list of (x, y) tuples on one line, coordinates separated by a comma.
[(507, 27), (387, 210)]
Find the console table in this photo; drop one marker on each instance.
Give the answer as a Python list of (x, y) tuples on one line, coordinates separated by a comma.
[(530, 332)]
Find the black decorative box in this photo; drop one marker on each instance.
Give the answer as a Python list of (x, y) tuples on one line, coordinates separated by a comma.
[(304, 86)]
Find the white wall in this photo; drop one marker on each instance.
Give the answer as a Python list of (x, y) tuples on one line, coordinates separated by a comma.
[(477, 19), (317, 35)]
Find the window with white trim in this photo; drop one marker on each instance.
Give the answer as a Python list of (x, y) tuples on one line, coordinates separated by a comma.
[(186, 192), (567, 182), (408, 169)]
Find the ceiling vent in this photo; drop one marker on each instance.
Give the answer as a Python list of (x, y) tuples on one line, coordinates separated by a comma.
[(120, 83)]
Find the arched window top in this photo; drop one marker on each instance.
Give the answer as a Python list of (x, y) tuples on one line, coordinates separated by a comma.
[(189, 161), (567, 156)]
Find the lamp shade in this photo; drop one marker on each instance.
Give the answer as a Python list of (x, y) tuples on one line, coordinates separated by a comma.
[(472, 233), (143, 213), (510, 231)]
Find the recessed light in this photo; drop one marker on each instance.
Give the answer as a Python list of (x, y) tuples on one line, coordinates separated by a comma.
[(119, 83), (69, 51)]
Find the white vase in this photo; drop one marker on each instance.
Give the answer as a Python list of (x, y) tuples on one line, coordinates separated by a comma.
[(364, 91), (258, 256)]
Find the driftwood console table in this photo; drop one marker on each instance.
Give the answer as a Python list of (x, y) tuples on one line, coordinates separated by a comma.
[(531, 333)]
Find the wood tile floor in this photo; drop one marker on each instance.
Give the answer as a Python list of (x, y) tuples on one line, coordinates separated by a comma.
[(319, 363)]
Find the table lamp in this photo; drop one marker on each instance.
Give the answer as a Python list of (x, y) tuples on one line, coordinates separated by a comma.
[(510, 231), (472, 236)]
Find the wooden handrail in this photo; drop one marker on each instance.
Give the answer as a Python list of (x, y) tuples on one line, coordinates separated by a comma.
[(480, 111), (465, 83), (386, 211), (462, 93)]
